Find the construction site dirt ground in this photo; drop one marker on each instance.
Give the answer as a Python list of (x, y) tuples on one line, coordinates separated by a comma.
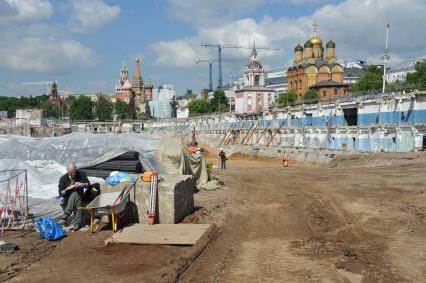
[(361, 219)]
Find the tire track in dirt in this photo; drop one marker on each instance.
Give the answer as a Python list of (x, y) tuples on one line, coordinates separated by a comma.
[(295, 225)]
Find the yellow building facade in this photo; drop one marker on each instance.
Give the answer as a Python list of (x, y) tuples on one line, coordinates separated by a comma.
[(312, 66)]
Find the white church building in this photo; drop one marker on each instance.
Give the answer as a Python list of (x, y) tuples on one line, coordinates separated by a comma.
[(254, 96)]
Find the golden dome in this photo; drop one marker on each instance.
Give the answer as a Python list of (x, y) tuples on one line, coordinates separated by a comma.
[(316, 40)]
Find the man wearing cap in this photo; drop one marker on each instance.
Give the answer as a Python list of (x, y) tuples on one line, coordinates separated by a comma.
[(223, 159), (70, 187)]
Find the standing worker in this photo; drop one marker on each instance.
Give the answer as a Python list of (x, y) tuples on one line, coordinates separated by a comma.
[(223, 159)]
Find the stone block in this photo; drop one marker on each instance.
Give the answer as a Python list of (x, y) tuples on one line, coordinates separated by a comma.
[(175, 199)]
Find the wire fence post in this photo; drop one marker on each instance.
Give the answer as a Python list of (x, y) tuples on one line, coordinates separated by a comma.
[(14, 207)]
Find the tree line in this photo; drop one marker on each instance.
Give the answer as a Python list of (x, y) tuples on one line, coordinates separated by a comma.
[(218, 103), (10, 104), (79, 108), (373, 79), (83, 108)]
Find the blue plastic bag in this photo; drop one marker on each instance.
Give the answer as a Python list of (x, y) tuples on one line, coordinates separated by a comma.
[(120, 177), (49, 228)]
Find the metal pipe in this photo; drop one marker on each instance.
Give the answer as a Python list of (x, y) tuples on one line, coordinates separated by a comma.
[(210, 75), (219, 85)]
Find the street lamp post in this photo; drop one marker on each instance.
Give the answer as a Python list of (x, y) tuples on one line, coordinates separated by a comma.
[(385, 58)]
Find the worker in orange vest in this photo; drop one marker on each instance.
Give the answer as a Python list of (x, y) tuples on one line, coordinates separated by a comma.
[(285, 161)]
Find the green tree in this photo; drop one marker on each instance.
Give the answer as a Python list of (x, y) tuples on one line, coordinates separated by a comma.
[(147, 111), (81, 108), (103, 108), (52, 110), (391, 87), (132, 107), (419, 76), (198, 106), (43, 103), (121, 109), (285, 99), (9, 104), (219, 102), (371, 80), (173, 106), (311, 97)]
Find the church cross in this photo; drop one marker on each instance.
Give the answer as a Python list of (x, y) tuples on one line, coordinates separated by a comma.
[(315, 26)]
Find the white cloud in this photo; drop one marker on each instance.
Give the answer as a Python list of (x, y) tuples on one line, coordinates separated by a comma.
[(100, 85), (207, 12), (183, 53), (178, 53), (91, 15), (358, 30), (31, 42), (41, 55), (18, 89), (25, 10)]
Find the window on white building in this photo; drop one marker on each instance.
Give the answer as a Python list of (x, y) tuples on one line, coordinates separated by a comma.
[(256, 80)]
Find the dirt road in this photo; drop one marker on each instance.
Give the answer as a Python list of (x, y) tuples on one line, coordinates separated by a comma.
[(363, 219)]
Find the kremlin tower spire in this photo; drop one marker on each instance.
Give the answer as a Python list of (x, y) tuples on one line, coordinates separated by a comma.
[(132, 92), (137, 83), (124, 71)]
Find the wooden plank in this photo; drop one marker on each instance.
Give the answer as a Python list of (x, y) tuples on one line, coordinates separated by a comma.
[(245, 141), (264, 130), (226, 134), (276, 132), (160, 234), (235, 137), (272, 138), (248, 131)]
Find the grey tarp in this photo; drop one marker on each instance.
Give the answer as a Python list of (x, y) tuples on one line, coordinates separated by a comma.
[(176, 159), (45, 159), (83, 148)]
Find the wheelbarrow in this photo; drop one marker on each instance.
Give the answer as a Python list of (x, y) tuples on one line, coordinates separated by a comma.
[(109, 203)]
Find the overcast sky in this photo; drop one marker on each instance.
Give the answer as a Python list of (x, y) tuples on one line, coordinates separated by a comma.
[(82, 43)]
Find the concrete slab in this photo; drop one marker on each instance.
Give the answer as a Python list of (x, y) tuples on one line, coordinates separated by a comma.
[(175, 199), (160, 234)]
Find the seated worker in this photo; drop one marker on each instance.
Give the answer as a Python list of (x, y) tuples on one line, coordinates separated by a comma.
[(71, 188)]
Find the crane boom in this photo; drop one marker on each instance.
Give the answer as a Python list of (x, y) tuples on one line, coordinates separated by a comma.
[(36, 83), (210, 61), (220, 46)]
